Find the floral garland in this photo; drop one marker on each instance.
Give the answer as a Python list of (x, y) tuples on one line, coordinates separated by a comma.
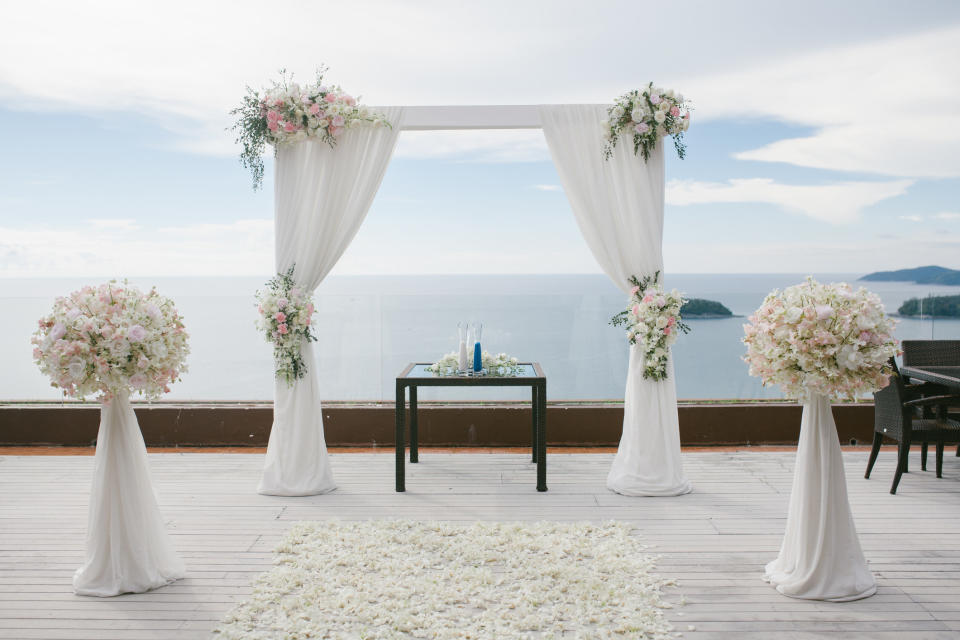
[(652, 318), (112, 339), (821, 338), (288, 113), (285, 314), (500, 365), (649, 114)]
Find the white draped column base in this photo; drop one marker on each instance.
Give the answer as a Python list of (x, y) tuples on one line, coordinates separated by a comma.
[(297, 463), (128, 549), (648, 459), (820, 558)]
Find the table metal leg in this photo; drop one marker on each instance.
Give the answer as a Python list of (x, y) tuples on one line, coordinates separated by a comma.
[(535, 410), (401, 409), (542, 438), (414, 435)]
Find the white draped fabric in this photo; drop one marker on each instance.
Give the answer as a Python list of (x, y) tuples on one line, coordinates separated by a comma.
[(618, 204), (820, 558), (321, 197), (128, 550)]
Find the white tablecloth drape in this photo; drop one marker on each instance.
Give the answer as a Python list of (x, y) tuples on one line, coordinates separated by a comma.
[(820, 558), (618, 205), (128, 549), (321, 197)]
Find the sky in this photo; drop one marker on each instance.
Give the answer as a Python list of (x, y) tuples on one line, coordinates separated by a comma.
[(825, 136)]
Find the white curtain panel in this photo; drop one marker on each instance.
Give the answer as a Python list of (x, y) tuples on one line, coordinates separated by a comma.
[(128, 550), (321, 197), (618, 204), (820, 558)]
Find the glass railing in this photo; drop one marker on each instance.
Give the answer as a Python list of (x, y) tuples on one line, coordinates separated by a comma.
[(368, 336)]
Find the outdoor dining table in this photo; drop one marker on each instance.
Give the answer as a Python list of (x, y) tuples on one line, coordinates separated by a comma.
[(528, 374)]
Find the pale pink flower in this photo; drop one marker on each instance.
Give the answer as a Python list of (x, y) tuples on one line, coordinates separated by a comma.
[(674, 111), (655, 98), (282, 329), (143, 362), (282, 303), (289, 127), (272, 126), (337, 121), (330, 97), (642, 127), (136, 333), (280, 316), (314, 109), (634, 290), (138, 381)]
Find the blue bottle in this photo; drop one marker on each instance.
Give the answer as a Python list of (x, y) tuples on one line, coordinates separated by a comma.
[(477, 353)]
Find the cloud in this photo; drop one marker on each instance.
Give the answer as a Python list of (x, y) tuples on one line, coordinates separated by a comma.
[(243, 247), (912, 218), (890, 107), (120, 224), (837, 203), (947, 215), (547, 187)]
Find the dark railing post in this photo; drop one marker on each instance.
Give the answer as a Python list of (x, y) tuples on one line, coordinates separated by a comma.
[(542, 438), (414, 435), (535, 410)]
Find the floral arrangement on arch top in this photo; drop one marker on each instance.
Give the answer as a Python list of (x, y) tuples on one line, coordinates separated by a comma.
[(647, 115), (288, 112)]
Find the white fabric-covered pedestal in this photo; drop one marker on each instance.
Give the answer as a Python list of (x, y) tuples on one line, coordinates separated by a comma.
[(820, 558), (618, 205), (321, 196), (128, 549)]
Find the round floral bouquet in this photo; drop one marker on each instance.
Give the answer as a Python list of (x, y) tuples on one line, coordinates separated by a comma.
[(647, 114), (498, 365), (286, 311), (653, 321), (288, 112), (112, 339), (817, 338)]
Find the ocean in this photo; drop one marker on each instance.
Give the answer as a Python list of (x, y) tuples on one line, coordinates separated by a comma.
[(370, 327)]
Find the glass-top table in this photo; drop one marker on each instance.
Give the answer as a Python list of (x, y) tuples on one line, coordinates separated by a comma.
[(415, 375)]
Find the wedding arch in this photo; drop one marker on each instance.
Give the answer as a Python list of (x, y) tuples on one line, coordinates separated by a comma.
[(322, 195)]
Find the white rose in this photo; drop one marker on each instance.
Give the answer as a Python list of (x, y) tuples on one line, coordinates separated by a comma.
[(617, 112), (660, 116), (637, 114), (669, 93), (661, 322), (664, 106)]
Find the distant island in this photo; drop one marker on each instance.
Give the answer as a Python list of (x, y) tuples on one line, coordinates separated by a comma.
[(700, 308), (919, 275), (937, 306)]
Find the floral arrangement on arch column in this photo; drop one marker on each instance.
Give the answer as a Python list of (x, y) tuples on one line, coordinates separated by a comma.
[(288, 112)]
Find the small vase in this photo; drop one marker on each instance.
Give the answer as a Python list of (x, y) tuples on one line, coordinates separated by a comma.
[(462, 353), (477, 353)]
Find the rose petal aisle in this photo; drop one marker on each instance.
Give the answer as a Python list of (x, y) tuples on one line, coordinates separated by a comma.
[(405, 579)]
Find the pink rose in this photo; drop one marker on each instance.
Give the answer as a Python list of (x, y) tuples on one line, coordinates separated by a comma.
[(289, 127), (648, 298), (314, 109), (671, 321), (272, 116), (280, 316), (330, 97), (337, 121), (636, 310), (667, 330), (674, 111), (634, 290), (282, 329), (655, 99), (642, 127), (281, 303), (272, 126)]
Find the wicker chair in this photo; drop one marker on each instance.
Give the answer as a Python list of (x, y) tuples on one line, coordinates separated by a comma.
[(932, 353), (895, 417)]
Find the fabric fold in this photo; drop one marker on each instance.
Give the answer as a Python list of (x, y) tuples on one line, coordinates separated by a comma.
[(820, 557), (128, 549), (618, 205), (321, 197)]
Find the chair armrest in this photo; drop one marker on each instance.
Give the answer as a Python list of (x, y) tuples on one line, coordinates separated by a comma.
[(920, 402)]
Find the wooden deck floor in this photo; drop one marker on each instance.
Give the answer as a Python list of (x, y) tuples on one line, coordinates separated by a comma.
[(714, 541)]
